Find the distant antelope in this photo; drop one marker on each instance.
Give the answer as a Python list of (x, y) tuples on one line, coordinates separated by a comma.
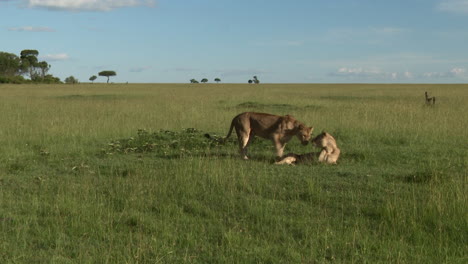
[(430, 100)]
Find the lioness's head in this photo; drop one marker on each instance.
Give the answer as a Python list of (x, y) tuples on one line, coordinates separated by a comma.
[(304, 134)]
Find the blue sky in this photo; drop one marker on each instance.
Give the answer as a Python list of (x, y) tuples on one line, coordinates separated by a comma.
[(297, 41)]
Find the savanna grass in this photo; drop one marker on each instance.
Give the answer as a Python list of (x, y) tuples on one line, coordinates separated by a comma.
[(124, 174)]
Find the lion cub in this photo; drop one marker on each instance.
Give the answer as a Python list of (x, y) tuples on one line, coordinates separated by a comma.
[(330, 151), (329, 154)]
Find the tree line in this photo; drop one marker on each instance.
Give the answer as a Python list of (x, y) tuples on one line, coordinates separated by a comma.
[(204, 80), (14, 69), (217, 80)]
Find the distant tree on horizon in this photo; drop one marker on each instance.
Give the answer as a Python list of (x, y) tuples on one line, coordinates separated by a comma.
[(71, 80), (217, 80), (107, 74), (193, 81), (250, 81), (255, 80), (93, 78), (204, 80)]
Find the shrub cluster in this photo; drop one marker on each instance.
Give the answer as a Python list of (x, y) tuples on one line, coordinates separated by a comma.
[(165, 142), (12, 79)]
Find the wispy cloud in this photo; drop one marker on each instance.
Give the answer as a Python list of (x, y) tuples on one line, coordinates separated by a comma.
[(140, 69), (389, 30), (279, 43), (395, 61), (241, 72), (369, 35), (453, 6), (377, 74), (182, 69), (55, 57), (87, 5), (32, 29)]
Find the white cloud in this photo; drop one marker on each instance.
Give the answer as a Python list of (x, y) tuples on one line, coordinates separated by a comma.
[(32, 29), (458, 71), (366, 74), (454, 6), (376, 74), (435, 75), (357, 72), (408, 74), (453, 73), (87, 5), (55, 57)]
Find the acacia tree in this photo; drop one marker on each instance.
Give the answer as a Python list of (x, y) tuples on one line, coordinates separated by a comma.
[(107, 74), (204, 80), (93, 78), (31, 66), (217, 80)]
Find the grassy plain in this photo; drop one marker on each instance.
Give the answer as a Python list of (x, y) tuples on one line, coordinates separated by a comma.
[(71, 191)]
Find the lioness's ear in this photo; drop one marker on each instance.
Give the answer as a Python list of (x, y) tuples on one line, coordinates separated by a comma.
[(311, 130)]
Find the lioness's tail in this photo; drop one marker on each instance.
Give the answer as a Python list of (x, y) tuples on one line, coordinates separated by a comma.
[(218, 139), (230, 131)]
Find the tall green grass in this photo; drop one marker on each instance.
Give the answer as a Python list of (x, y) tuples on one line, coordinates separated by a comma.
[(398, 194)]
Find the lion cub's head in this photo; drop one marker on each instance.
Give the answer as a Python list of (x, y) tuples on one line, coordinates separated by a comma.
[(323, 140)]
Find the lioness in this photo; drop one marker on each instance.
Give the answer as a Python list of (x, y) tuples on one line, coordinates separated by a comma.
[(329, 154), (280, 129)]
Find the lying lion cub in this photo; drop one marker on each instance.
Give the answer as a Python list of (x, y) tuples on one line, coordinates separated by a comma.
[(329, 154), (279, 129)]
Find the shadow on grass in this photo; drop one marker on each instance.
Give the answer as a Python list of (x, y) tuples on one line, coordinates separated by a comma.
[(100, 97), (418, 177), (344, 98), (255, 157)]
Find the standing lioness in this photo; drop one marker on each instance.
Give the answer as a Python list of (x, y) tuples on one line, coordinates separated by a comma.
[(279, 129)]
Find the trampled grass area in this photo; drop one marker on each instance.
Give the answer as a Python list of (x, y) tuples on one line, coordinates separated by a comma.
[(124, 174)]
